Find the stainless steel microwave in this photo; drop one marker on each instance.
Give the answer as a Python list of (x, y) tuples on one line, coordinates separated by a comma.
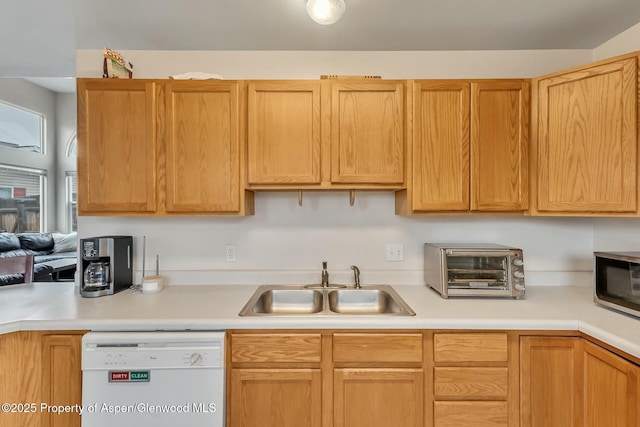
[(474, 269), (617, 280)]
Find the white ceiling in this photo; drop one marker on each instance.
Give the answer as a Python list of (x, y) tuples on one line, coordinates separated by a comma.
[(39, 37)]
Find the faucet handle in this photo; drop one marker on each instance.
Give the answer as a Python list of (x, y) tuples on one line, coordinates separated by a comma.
[(356, 276)]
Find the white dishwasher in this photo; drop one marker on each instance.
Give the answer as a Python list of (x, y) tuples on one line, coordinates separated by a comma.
[(159, 379)]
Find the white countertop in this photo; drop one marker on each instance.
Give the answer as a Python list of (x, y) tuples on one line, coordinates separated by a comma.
[(57, 306)]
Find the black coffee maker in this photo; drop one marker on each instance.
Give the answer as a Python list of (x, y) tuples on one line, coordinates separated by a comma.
[(106, 265)]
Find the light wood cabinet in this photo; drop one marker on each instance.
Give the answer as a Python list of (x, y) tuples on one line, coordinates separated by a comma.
[(474, 379), (441, 158), (469, 147), (378, 379), (284, 135), (40, 367), (573, 382), (587, 140), (500, 117), (382, 397), (61, 377), (367, 132), (326, 134), (202, 147), (117, 146), (160, 147), (549, 382), (275, 380), (270, 397), (330, 378), (610, 386)]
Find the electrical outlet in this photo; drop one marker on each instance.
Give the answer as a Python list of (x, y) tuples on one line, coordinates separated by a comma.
[(230, 253), (395, 252)]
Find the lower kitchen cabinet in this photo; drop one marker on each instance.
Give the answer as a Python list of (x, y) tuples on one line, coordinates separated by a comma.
[(378, 379), (549, 393), (474, 379), (426, 378), (328, 378), (61, 377), (275, 398), (610, 389), (275, 379), (378, 397), (470, 414), (573, 382), (42, 368)]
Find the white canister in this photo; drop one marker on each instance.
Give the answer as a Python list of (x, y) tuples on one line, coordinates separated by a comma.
[(152, 284)]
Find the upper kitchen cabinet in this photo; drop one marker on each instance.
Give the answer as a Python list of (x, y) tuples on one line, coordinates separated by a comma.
[(117, 162), (284, 137), (586, 151), (469, 148), (160, 147), (326, 134), (202, 147), (367, 132)]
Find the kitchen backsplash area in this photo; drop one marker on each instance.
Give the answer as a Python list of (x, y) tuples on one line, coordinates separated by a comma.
[(286, 243)]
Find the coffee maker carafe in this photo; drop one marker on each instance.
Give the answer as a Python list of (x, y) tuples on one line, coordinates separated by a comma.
[(106, 265)]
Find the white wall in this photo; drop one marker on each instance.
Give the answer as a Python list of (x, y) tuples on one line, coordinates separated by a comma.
[(25, 94), (284, 243), (310, 65), (625, 42)]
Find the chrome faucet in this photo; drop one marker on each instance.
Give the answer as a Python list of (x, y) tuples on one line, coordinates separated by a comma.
[(356, 276), (325, 275)]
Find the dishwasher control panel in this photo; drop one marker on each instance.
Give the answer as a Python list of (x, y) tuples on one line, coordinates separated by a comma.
[(124, 351), (151, 358)]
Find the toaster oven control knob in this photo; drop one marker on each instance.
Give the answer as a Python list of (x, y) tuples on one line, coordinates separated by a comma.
[(519, 287), (518, 274), (518, 262)]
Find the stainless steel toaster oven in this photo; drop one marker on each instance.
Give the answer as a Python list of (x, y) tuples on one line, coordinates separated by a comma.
[(474, 269)]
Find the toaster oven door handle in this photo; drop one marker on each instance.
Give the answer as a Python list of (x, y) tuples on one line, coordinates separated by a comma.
[(455, 252)]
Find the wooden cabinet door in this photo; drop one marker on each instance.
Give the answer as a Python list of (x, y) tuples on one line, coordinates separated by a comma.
[(610, 389), (61, 377), (202, 147), (116, 146), (275, 398), (284, 138), (371, 397), (441, 146), (499, 146), (550, 394), (21, 377), (587, 140), (40, 367), (367, 132)]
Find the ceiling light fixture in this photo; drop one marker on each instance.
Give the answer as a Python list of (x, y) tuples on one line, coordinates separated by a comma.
[(325, 12)]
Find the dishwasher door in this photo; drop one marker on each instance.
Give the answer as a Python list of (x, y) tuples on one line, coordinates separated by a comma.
[(159, 379)]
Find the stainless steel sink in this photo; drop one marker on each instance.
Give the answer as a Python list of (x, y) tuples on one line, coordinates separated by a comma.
[(279, 300), (287, 301), (364, 301)]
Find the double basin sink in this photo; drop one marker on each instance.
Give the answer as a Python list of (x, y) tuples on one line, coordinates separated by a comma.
[(298, 300)]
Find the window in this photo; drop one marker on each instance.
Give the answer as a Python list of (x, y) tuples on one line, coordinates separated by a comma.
[(22, 199), (21, 129), (72, 201), (71, 185), (72, 144)]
